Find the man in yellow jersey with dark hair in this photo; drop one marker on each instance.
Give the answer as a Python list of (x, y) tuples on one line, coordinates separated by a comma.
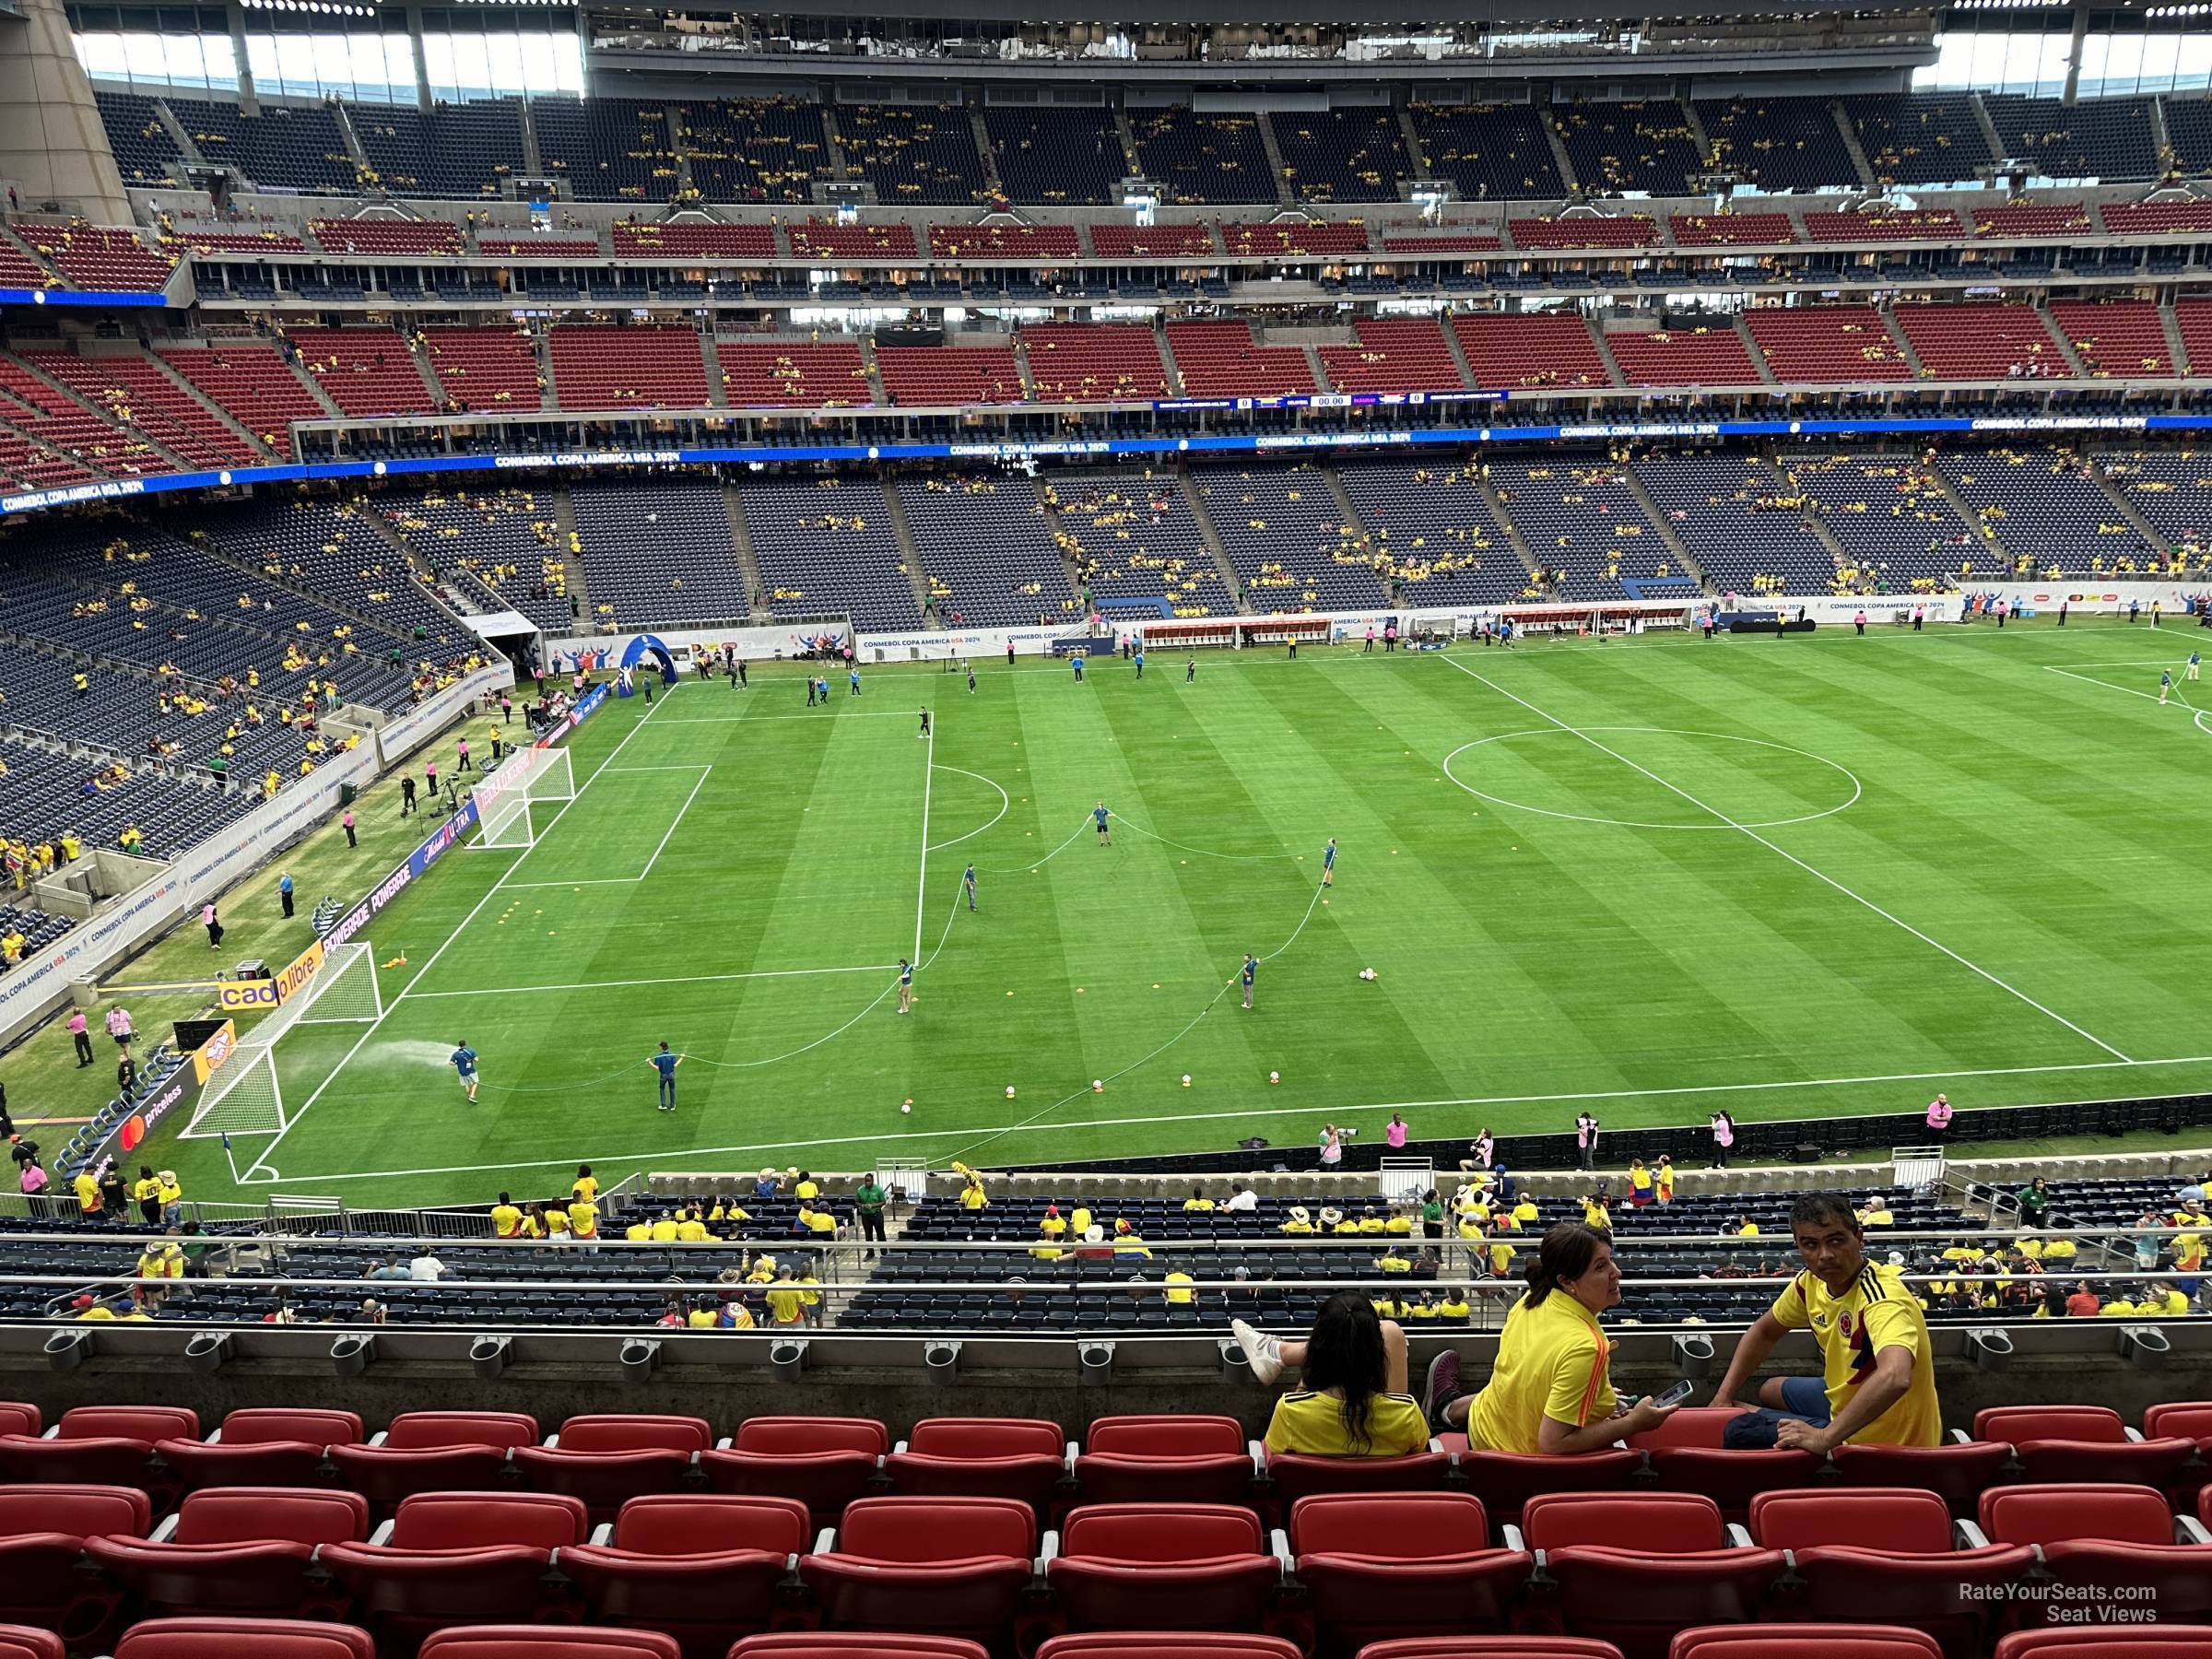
[(1878, 1385)]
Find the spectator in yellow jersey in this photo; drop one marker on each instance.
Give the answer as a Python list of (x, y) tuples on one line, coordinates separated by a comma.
[(662, 1230), (818, 1221), (1197, 1202), (584, 1223), (972, 1196), (691, 1227), (1526, 1213), (88, 1199), (1300, 1222), (1455, 1308), (787, 1302), (806, 1187), (506, 1220), (703, 1316), (1352, 1400), (586, 1184), (1878, 1381), (169, 1192), (638, 1231), (1551, 1390)]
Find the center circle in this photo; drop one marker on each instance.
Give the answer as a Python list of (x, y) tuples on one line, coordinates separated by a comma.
[(1688, 796)]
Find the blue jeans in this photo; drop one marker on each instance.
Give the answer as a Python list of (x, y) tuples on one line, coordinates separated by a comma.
[(667, 1091), (1804, 1398)]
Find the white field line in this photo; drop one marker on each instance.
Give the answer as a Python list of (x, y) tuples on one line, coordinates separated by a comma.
[(659, 1156), (929, 776), (1888, 917), (687, 979), (261, 1160), (704, 772)]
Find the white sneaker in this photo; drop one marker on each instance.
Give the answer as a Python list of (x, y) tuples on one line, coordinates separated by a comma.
[(1263, 1353)]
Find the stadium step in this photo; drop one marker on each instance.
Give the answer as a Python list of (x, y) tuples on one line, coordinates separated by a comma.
[(1167, 355), (2177, 352), (2095, 472), (1897, 335), (98, 413), (1560, 159), (1505, 522), (910, 556), (834, 142), (1812, 520), (179, 135), (1605, 354), (1751, 350), (673, 115), (2066, 346), (1989, 127), (1196, 500), (531, 158), (1127, 134), (1698, 134), (1852, 146), (344, 117), (1284, 196), (564, 517), (237, 427), (983, 149), (422, 367), (718, 393), (1660, 522), (741, 539), (1415, 152)]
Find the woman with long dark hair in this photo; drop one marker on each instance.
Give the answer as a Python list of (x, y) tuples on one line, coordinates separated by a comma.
[(1352, 1400), (1551, 1390)]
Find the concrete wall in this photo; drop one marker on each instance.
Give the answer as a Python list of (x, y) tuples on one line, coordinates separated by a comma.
[(52, 147)]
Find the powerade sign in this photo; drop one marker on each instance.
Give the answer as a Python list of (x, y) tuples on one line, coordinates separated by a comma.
[(1224, 444), (445, 836)]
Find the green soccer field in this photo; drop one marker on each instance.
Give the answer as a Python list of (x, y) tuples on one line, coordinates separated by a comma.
[(1654, 877)]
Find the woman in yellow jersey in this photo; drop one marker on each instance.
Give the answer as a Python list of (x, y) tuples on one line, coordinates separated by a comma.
[(1552, 1389), (1352, 1367)]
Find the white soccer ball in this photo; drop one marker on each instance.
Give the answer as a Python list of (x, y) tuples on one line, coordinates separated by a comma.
[(1274, 1077), (1009, 1091), (906, 1106), (1186, 1079), (1097, 1086)]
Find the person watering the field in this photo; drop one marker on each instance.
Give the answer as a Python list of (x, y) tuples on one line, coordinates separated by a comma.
[(968, 881), (2189, 669), (1250, 971), (1100, 815), (2165, 686), (665, 1064), (1878, 1381), (906, 986), (464, 1062), (1328, 863)]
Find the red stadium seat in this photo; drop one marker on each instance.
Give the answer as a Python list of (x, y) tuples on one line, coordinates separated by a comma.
[(42, 1529), (1388, 1565), (459, 1558), (244, 1639), (541, 1642), (237, 1550), (2116, 1542), (837, 1644), (705, 1569), (1523, 1645), (1886, 1557), (980, 1457), (1165, 1460), (1804, 1641), (260, 1446), (1956, 1474), (1163, 1567), (2190, 1420), (100, 1445), (2145, 1642), (1506, 1480), (944, 1566), (1294, 1475), (16, 1417), (20, 1642), (606, 1460), (433, 1451), (2084, 1444), (1167, 1644), (1687, 1454), (1634, 1568), (823, 1462)]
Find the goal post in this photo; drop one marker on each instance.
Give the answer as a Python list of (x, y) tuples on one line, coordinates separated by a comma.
[(245, 1096), (507, 793)]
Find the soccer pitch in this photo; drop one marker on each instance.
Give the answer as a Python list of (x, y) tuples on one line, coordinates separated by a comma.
[(1654, 877)]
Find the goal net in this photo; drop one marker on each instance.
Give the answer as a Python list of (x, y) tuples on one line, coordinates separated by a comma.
[(244, 1096), (508, 793)]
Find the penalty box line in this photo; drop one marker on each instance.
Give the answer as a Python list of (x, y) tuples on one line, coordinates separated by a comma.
[(660, 1156), (704, 769), (1779, 851), (260, 1166)]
